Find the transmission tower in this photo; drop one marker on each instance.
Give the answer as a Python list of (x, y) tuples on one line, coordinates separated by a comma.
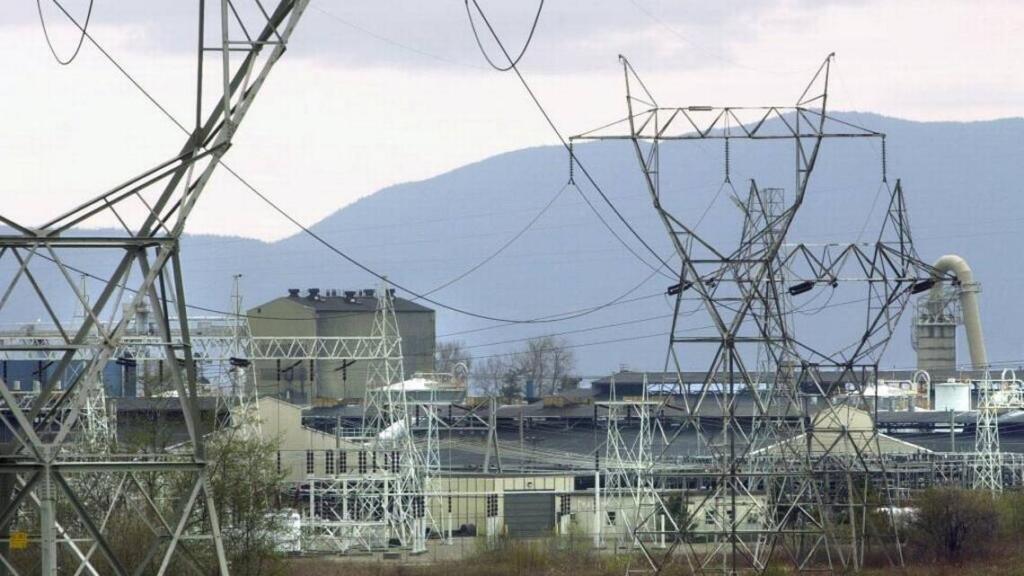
[(770, 478), (988, 463), (399, 494), (152, 209), (629, 476), (241, 393)]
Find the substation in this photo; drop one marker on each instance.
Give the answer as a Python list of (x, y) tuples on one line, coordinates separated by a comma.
[(762, 446)]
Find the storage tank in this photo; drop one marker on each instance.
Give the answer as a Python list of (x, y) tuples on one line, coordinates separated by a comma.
[(953, 395)]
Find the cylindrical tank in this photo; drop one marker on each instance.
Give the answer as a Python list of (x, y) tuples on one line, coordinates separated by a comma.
[(953, 395)]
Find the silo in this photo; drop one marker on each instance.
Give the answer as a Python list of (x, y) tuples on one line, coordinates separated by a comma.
[(953, 395)]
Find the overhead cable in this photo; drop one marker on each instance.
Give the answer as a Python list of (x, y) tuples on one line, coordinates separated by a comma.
[(526, 45), (46, 33), (332, 247), (583, 169)]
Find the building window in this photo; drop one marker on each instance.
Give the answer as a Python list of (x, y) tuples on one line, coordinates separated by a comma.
[(362, 462), (329, 462), (566, 505), (342, 462), (709, 517), (492, 505), (611, 517), (309, 461), (278, 461), (418, 507), (394, 462)]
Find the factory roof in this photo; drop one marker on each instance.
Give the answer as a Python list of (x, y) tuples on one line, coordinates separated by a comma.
[(331, 300), (658, 381)]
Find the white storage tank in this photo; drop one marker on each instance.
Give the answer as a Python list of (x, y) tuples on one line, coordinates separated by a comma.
[(953, 395)]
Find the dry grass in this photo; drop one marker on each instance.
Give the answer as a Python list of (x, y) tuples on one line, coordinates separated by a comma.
[(510, 559), (520, 559)]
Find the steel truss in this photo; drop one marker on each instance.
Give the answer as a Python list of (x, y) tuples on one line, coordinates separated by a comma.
[(386, 497), (36, 468), (630, 488), (206, 348), (812, 498)]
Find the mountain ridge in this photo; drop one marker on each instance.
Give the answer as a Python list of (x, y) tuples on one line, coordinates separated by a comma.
[(961, 180)]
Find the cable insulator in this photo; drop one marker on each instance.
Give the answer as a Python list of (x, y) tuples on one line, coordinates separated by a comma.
[(572, 164), (727, 167), (885, 163)]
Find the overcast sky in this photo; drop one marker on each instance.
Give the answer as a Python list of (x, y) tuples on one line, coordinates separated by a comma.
[(375, 92)]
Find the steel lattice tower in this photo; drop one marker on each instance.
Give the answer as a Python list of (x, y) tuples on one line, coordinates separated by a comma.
[(794, 486), (988, 465), (402, 495), (629, 487), (144, 267)]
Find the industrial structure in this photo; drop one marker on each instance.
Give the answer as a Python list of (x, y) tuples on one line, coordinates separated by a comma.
[(45, 470), (745, 293), (779, 448), (336, 313)]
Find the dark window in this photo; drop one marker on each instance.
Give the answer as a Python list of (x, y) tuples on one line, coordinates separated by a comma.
[(329, 462), (342, 462), (362, 462), (492, 505), (309, 461)]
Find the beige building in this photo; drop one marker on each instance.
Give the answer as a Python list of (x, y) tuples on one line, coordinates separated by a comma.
[(335, 313)]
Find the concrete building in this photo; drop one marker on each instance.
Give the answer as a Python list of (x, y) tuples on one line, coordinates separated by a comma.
[(934, 332), (335, 313)]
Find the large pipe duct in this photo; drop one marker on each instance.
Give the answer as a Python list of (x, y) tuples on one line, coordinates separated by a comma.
[(968, 305)]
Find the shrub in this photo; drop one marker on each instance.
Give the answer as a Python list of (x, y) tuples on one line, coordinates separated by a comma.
[(953, 524)]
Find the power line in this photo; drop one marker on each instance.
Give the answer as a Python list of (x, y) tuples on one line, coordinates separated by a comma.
[(330, 246), (649, 319), (567, 332), (575, 159), (505, 325), (46, 33), (392, 41), (700, 47), (504, 246), (526, 45), (581, 345), (417, 295)]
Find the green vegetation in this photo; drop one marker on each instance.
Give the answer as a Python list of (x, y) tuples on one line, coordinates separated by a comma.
[(954, 532)]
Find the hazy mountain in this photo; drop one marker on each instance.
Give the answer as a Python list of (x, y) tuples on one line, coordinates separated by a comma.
[(961, 181)]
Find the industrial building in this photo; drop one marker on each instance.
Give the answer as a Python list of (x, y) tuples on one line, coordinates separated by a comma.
[(334, 314), (779, 449)]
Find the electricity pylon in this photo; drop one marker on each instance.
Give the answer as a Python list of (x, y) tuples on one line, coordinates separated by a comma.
[(768, 479), (144, 267), (988, 463), (398, 492)]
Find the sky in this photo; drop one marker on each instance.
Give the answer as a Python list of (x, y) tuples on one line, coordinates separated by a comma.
[(377, 92)]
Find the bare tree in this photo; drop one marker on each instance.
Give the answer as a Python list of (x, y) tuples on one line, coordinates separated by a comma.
[(449, 355), (546, 361), (562, 362), (489, 375)]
